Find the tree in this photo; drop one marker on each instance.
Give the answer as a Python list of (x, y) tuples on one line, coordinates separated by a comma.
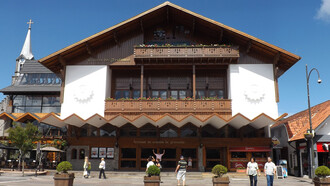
[(24, 139)]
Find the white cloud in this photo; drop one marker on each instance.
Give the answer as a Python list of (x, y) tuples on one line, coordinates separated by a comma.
[(324, 12)]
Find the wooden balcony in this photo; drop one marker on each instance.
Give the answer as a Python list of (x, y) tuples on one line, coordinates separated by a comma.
[(186, 52), (167, 106)]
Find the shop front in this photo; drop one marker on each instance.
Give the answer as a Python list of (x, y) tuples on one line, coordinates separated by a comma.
[(240, 156)]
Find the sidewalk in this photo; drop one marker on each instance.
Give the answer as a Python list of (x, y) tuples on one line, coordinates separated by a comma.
[(136, 178)]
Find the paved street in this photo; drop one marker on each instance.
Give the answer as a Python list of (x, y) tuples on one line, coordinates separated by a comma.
[(136, 178)]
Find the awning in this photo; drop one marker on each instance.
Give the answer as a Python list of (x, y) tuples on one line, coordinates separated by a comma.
[(139, 120), (250, 149)]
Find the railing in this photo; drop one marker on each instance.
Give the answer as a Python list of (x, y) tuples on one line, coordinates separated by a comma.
[(186, 52), (185, 106)]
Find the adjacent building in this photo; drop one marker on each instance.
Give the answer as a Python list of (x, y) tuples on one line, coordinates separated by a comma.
[(292, 145), (167, 80)]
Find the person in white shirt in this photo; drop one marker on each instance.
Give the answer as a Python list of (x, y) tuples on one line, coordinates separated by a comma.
[(158, 156), (150, 162), (102, 168), (270, 171), (252, 171)]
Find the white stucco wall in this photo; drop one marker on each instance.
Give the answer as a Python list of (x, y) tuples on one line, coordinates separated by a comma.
[(85, 91), (252, 90), (325, 128)]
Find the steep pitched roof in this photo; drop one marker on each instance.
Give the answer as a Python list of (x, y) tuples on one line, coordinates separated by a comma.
[(286, 58), (298, 124)]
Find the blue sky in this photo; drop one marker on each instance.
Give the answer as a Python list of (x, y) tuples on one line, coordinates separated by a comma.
[(301, 27)]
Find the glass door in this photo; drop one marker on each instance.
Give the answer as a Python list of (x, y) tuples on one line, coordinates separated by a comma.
[(215, 156), (169, 160), (190, 155), (145, 153), (128, 158)]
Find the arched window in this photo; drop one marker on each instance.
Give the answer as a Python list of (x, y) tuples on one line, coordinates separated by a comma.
[(168, 131), (108, 130), (88, 130), (209, 131), (81, 153), (189, 130), (128, 130), (74, 154), (148, 130)]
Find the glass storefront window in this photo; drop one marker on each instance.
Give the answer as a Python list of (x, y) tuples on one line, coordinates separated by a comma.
[(128, 153), (238, 154), (259, 154)]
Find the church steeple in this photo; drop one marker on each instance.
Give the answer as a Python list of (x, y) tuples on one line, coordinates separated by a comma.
[(26, 52)]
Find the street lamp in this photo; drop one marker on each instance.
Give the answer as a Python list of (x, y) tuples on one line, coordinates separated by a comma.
[(311, 146)]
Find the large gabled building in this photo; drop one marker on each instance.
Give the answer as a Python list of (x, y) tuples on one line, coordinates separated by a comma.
[(168, 79)]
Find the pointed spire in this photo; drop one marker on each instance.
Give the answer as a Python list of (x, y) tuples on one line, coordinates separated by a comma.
[(26, 52)]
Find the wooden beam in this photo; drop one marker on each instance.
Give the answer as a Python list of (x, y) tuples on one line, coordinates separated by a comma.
[(193, 26), (141, 83), (194, 82), (89, 49), (167, 15), (115, 38), (220, 36), (249, 44), (141, 25), (276, 58)]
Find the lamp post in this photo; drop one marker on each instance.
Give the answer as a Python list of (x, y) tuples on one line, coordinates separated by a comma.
[(312, 159)]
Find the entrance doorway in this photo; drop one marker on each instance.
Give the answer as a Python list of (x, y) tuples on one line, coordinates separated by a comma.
[(215, 156), (136, 158)]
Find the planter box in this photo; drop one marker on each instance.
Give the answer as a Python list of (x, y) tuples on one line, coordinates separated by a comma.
[(220, 181), (63, 179), (151, 181), (321, 181), (241, 170)]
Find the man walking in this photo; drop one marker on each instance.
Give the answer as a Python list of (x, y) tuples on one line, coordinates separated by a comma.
[(181, 171), (270, 170)]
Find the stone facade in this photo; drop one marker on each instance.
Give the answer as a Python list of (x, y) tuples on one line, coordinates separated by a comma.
[(77, 164)]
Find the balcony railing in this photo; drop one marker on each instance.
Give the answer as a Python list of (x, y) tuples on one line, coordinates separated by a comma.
[(186, 52), (165, 106)]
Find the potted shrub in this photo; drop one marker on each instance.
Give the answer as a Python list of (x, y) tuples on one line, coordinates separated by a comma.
[(219, 179), (62, 177), (322, 173), (153, 178), (241, 169)]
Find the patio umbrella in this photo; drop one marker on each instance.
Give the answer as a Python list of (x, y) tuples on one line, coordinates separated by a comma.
[(50, 149)]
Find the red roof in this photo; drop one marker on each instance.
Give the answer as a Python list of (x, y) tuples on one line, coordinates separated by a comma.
[(298, 124)]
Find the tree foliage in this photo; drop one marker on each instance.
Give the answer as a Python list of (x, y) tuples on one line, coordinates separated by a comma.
[(24, 137)]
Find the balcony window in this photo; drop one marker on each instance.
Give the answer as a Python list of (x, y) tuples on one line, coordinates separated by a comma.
[(200, 94), (136, 94), (122, 94)]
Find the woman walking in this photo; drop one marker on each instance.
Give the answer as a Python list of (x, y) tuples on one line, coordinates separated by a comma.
[(102, 168), (252, 171), (85, 173)]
